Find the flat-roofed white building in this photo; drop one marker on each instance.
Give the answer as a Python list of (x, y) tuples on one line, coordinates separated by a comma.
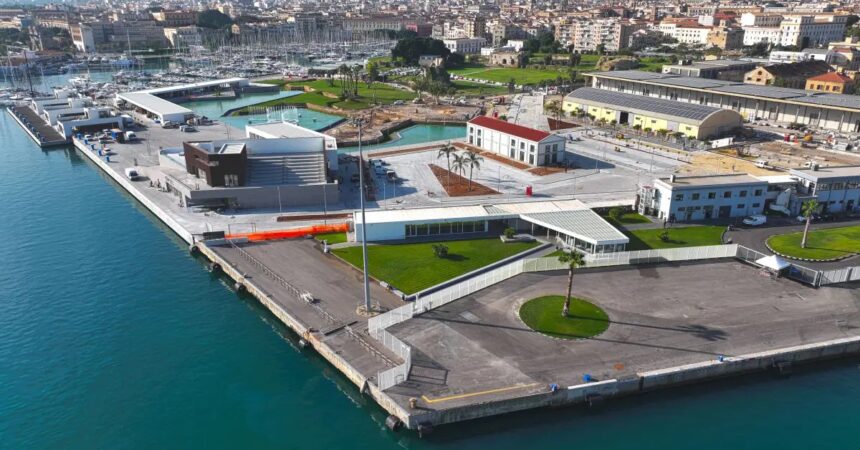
[(703, 197), (569, 222), (836, 188), (533, 147)]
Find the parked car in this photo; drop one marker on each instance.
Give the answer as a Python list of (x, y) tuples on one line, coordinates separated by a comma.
[(755, 220), (169, 124), (132, 174)]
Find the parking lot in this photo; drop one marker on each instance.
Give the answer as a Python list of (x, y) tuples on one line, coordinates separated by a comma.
[(661, 316)]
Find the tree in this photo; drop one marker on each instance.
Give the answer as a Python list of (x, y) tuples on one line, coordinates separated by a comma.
[(573, 260), (212, 18), (410, 49), (809, 208), (474, 161), (447, 150), (554, 109), (512, 85), (440, 250), (372, 73), (616, 214), (459, 165)]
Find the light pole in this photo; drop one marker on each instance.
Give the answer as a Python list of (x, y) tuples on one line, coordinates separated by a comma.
[(367, 308)]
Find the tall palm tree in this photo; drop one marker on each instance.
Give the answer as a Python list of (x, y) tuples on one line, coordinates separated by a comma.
[(810, 207), (459, 165), (447, 150), (474, 162), (573, 260)]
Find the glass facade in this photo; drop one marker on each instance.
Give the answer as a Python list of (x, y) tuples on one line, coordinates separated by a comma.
[(435, 229)]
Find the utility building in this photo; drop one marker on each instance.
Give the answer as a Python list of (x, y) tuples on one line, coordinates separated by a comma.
[(695, 121)]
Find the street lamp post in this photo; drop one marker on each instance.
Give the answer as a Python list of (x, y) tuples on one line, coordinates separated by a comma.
[(367, 307)]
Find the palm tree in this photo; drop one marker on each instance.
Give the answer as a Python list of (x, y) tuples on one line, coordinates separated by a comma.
[(474, 162), (447, 150), (573, 260), (459, 165), (554, 109), (810, 207)]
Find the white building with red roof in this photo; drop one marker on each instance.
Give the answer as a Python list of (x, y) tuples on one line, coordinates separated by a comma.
[(533, 147)]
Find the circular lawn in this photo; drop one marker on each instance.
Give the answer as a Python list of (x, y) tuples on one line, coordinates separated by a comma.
[(584, 319), (821, 244)]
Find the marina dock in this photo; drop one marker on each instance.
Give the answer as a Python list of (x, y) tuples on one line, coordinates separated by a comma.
[(39, 131)]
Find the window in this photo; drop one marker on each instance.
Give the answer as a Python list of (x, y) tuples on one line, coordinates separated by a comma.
[(758, 192), (231, 180), (756, 205), (695, 196), (679, 197), (727, 194), (682, 208), (743, 193), (712, 195), (741, 206)]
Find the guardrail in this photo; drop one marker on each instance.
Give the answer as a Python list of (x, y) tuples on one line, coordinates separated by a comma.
[(842, 275)]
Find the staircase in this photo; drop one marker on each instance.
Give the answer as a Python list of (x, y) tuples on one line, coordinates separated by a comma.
[(297, 169)]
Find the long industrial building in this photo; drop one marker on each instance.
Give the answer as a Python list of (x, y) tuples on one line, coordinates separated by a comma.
[(696, 121), (769, 104)]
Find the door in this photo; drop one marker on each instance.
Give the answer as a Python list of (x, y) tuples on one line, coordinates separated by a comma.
[(725, 211)]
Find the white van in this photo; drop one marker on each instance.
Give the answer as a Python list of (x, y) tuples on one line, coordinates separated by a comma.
[(130, 136), (132, 173)]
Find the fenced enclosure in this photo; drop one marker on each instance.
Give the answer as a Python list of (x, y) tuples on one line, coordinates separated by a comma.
[(377, 325)]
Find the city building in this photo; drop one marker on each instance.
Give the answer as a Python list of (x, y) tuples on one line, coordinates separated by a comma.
[(717, 69), (833, 82), (692, 120), (836, 188), (533, 147), (175, 19), (688, 198), (465, 46), (506, 58), (790, 75), (772, 104), (279, 165)]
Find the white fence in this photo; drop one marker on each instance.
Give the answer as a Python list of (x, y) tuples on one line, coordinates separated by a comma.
[(377, 325), (842, 275), (638, 257), (397, 374)]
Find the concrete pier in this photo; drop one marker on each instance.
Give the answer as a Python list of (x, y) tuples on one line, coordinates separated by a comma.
[(473, 358)]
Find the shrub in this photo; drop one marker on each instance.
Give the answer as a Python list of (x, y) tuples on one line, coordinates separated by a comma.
[(664, 236), (510, 232), (616, 213), (440, 250)]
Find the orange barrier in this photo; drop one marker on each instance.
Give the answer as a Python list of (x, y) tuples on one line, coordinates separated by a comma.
[(291, 233)]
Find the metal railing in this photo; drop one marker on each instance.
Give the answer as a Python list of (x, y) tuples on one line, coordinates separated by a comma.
[(399, 373), (638, 257), (842, 275)]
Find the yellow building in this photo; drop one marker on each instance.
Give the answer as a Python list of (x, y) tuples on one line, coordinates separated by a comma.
[(652, 114), (833, 82)]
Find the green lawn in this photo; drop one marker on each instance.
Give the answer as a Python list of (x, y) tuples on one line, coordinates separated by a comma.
[(414, 267), (628, 218), (678, 237), (379, 92), (504, 74), (477, 89), (332, 238), (543, 314), (820, 244)]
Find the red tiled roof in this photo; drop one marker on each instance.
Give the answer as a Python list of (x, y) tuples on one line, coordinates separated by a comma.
[(831, 77), (513, 129)]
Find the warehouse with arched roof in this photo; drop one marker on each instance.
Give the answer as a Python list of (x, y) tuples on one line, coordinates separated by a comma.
[(652, 114)]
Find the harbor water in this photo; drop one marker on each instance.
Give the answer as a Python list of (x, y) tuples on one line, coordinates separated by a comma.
[(113, 336)]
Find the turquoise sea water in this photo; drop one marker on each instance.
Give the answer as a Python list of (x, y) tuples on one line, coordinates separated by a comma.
[(112, 336)]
